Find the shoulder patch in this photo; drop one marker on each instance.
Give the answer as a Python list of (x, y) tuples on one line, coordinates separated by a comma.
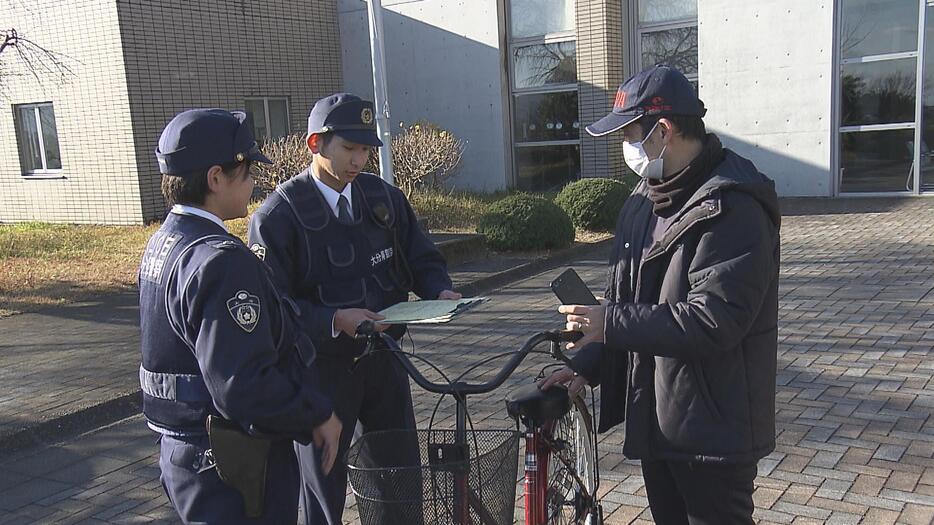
[(258, 250), (244, 307), (223, 244)]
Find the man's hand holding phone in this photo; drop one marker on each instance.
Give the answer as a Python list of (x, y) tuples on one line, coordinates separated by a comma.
[(585, 313), (588, 320)]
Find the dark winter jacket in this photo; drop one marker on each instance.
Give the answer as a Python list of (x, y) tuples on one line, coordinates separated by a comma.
[(691, 330)]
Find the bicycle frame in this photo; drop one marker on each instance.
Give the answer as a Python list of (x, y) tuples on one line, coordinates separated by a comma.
[(538, 445), (536, 472), (537, 437)]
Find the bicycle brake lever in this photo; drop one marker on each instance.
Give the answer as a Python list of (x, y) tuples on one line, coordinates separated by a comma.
[(366, 328), (557, 354)]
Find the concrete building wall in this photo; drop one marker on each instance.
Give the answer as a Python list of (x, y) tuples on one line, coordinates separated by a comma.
[(766, 72), (600, 35), (213, 53), (445, 65), (98, 182)]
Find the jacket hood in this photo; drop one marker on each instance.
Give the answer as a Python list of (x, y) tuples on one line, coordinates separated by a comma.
[(737, 173), (734, 173)]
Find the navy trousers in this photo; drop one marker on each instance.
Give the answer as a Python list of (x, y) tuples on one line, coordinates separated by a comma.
[(200, 497), (690, 493), (376, 393)]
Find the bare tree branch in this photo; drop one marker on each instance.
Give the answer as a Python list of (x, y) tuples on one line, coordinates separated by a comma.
[(424, 155), (40, 62), (548, 63)]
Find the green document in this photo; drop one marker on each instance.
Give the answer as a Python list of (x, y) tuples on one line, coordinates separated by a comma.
[(428, 312)]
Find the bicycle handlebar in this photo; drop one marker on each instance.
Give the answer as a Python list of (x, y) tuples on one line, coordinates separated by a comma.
[(461, 388)]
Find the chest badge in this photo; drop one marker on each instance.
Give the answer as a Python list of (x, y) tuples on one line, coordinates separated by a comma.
[(244, 308)]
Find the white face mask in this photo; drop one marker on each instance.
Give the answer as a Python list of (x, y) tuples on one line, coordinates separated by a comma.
[(638, 160)]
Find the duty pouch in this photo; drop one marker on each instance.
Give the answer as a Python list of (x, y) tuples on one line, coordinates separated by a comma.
[(240, 461)]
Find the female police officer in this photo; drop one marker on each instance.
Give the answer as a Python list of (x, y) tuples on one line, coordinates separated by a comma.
[(217, 337), (346, 245)]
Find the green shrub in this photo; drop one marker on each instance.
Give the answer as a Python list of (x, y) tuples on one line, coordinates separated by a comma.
[(594, 204), (526, 222)]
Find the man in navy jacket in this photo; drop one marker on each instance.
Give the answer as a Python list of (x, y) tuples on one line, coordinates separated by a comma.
[(685, 345), (346, 245)]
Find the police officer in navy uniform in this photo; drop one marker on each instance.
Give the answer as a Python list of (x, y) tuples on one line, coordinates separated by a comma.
[(346, 245), (218, 338)]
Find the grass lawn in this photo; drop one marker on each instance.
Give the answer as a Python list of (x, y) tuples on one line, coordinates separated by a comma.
[(48, 264), (52, 264)]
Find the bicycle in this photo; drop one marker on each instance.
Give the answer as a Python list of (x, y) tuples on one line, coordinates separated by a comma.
[(461, 485)]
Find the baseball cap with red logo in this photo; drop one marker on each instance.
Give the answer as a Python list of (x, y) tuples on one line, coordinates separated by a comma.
[(659, 90)]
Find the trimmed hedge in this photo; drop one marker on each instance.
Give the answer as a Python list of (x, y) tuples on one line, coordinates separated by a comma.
[(526, 222), (594, 203)]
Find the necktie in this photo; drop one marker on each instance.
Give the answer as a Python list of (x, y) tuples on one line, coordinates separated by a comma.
[(343, 211)]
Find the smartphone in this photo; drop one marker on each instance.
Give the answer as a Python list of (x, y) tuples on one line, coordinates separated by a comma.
[(571, 289)]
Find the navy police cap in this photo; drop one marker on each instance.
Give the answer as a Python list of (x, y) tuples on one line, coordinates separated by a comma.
[(200, 138), (347, 116), (656, 91)]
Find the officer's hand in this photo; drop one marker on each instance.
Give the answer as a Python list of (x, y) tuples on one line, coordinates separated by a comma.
[(449, 295), (589, 320), (327, 438), (564, 376), (347, 320)]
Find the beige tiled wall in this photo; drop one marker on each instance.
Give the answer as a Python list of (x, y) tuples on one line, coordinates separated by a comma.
[(98, 182), (137, 63), (211, 53), (600, 44)]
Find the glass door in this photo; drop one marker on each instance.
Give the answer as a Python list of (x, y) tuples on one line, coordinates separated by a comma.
[(878, 95), (925, 158)]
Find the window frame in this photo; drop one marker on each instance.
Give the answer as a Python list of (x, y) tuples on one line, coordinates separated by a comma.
[(45, 170), (570, 34), (547, 144), (839, 130), (873, 59), (511, 44), (288, 124), (540, 143), (654, 27), (557, 142), (552, 38)]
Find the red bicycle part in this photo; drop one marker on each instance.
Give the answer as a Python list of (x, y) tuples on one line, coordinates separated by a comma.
[(537, 455)]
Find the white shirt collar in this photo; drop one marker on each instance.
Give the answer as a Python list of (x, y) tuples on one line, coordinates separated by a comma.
[(183, 209), (331, 195)]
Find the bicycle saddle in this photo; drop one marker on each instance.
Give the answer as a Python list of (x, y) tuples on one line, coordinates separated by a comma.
[(529, 402)]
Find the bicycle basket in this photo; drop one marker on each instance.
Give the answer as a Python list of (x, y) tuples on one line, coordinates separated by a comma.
[(411, 477)]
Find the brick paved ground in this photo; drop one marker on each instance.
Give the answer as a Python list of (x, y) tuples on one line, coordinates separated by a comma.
[(63, 361), (856, 441)]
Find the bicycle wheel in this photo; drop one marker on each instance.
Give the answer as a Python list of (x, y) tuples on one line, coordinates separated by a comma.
[(569, 460)]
